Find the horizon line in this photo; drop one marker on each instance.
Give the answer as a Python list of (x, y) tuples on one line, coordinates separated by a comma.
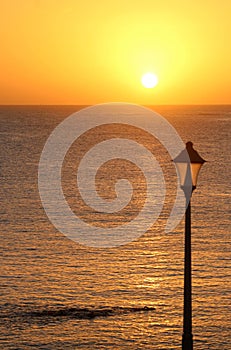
[(84, 104)]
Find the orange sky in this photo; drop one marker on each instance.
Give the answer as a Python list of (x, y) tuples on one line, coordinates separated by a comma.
[(87, 52)]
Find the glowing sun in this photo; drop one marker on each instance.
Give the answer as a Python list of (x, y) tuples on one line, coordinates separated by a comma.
[(149, 80)]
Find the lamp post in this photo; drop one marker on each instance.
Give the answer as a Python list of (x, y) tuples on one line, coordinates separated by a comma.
[(188, 164)]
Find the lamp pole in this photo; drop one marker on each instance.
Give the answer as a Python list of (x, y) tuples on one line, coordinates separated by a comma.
[(188, 164), (187, 337)]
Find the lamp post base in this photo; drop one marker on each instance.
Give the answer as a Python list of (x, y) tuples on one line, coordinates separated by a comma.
[(187, 342)]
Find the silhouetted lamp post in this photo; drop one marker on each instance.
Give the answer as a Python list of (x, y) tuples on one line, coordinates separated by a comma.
[(188, 164)]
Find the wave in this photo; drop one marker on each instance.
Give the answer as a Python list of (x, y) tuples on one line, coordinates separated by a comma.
[(46, 315), (87, 313)]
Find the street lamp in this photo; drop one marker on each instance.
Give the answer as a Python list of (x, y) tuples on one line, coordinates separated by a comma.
[(188, 164)]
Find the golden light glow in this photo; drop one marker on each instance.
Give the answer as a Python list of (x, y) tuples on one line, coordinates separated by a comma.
[(85, 52), (149, 80)]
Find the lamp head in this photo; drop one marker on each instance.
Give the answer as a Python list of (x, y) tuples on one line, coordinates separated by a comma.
[(188, 164)]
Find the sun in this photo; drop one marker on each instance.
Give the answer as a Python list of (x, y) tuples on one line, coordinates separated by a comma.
[(149, 80)]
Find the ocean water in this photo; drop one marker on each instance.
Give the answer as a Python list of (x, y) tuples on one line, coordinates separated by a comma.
[(58, 294)]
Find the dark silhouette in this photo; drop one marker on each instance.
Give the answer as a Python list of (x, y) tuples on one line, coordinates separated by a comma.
[(188, 164)]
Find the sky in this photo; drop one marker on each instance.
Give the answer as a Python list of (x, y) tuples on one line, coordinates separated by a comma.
[(89, 52)]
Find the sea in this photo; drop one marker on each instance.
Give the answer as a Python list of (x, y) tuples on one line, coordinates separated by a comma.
[(58, 293)]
